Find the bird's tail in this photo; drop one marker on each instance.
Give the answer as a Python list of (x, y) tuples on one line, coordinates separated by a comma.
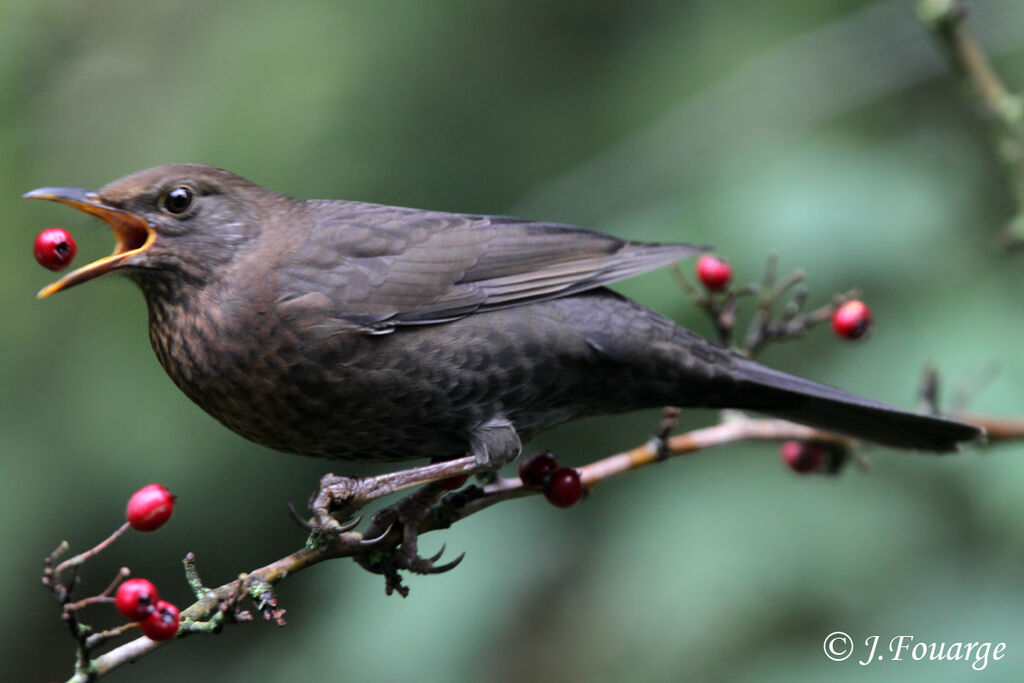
[(818, 405)]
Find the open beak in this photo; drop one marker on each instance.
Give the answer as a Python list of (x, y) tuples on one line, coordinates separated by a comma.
[(133, 233)]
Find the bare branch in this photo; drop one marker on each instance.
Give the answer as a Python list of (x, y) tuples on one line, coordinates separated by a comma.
[(1005, 109)]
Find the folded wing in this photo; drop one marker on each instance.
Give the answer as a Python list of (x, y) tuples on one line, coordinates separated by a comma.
[(383, 266)]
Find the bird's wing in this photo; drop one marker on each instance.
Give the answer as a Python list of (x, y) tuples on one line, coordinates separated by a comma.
[(383, 266)]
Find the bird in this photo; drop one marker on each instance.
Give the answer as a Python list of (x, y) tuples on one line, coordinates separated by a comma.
[(357, 331)]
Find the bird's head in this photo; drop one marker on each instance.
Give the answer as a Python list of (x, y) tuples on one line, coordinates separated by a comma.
[(172, 223)]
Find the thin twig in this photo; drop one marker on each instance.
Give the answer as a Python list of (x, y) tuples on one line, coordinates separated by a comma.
[(83, 556), (997, 429)]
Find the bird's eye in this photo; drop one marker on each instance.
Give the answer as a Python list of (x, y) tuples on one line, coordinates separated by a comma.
[(178, 200)]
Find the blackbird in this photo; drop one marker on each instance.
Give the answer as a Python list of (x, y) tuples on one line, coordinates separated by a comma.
[(343, 329)]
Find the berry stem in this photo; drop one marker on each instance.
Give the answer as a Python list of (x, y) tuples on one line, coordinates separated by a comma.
[(104, 597), (99, 547)]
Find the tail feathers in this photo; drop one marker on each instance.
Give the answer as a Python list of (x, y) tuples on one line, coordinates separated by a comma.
[(828, 408)]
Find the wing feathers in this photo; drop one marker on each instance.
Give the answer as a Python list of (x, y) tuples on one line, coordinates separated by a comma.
[(382, 266)]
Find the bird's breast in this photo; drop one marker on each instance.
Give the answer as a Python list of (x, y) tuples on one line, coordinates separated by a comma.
[(303, 385), (250, 370)]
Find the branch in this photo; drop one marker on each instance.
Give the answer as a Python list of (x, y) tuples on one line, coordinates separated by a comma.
[(947, 21), (998, 429), (215, 605)]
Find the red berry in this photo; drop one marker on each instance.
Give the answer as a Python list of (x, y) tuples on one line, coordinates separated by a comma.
[(852, 320), (563, 487), (150, 507), (713, 272), (54, 248), (162, 624), (136, 599), (534, 468), (802, 456), (452, 483)]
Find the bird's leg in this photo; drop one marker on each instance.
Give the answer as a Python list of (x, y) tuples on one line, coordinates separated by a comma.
[(342, 497), (492, 444)]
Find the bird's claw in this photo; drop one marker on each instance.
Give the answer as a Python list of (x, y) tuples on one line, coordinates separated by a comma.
[(437, 556), (430, 568), (349, 526), (407, 515), (367, 542), (427, 565), (389, 564), (325, 526), (299, 519)]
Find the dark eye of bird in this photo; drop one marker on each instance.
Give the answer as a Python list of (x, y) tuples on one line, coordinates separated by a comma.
[(178, 200)]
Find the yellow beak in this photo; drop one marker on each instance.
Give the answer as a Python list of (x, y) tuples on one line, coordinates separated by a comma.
[(133, 233)]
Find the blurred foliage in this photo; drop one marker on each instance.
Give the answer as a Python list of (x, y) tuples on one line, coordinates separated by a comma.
[(830, 131)]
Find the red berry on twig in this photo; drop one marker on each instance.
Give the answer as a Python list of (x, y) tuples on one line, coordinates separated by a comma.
[(534, 468), (802, 456), (150, 507), (714, 273), (563, 487), (452, 483), (162, 624), (54, 248), (136, 599), (852, 320)]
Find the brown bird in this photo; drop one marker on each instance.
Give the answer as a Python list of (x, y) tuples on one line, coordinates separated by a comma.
[(342, 329)]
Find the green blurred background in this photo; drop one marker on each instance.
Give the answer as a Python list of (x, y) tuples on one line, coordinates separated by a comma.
[(830, 131)]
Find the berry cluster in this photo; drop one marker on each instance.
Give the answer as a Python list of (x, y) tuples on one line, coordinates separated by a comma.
[(561, 485), (136, 599), (850, 320)]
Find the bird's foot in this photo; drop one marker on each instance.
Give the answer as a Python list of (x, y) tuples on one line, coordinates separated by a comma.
[(334, 528), (407, 515), (390, 542), (338, 498)]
